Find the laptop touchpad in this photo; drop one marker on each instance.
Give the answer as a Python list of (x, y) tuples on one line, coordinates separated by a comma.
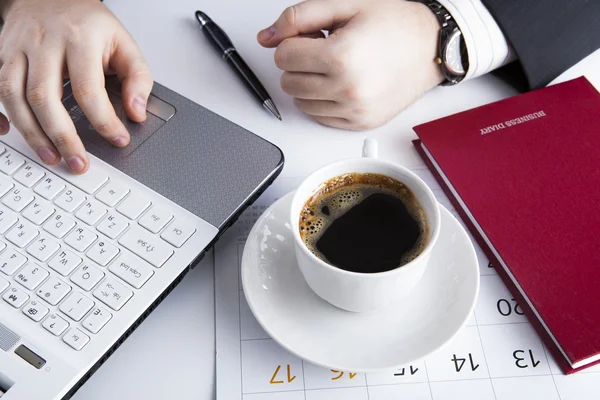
[(158, 113)]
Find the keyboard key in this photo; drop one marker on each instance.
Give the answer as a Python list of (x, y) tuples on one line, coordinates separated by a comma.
[(50, 187), (113, 294), (131, 269), (15, 297), (76, 306), (59, 224), (91, 212), (89, 182), (113, 225), (87, 277), (3, 284), (112, 193), (11, 261), (29, 175), (178, 232), (96, 320), (5, 185), (134, 205), (43, 248), (18, 198), (156, 219), (7, 219), (38, 212), (53, 290), (22, 234), (76, 339), (80, 239), (10, 162), (102, 252), (64, 262), (2, 246), (55, 324), (147, 246), (35, 310), (31, 276), (70, 199)]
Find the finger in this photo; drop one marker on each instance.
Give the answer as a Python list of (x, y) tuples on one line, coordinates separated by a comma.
[(13, 76), (4, 124), (303, 55), (321, 108), (133, 72), (306, 17), (87, 82), (334, 122), (44, 92), (307, 86)]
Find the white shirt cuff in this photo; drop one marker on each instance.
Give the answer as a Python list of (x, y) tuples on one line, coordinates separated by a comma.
[(486, 45)]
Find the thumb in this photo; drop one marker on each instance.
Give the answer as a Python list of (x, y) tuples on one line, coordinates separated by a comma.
[(305, 18), (134, 75)]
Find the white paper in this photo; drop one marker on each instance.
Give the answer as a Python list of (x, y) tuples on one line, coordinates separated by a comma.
[(496, 356)]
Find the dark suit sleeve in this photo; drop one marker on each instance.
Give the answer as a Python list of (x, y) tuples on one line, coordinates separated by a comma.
[(548, 36)]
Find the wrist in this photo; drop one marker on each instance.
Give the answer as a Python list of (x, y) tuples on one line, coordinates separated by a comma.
[(431, 26)]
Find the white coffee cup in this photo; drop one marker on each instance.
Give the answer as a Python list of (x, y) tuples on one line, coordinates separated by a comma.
[(354, 291)]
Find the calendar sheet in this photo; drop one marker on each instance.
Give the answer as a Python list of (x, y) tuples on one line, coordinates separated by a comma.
[(496, 356)]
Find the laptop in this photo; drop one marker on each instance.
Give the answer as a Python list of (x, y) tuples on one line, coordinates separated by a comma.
[(85, 259)]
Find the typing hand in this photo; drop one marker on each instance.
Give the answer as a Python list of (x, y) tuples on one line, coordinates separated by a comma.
[(44, 41), (377, 59)]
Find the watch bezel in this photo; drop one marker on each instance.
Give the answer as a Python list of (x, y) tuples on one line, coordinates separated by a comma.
[(456, 33)]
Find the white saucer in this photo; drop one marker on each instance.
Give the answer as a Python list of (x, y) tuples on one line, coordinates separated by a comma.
[(312, 329)]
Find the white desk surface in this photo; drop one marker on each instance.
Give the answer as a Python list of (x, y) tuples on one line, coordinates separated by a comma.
[(171, 355)]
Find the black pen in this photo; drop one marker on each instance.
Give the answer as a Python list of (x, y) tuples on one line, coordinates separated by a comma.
[(223, 44)]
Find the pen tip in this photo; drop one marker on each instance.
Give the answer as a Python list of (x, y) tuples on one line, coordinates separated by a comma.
[(269, 105)]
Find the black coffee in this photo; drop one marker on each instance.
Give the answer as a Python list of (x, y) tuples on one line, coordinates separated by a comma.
[(364, 223)]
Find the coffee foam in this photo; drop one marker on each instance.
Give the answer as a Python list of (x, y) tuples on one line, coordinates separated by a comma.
[(338, 195)]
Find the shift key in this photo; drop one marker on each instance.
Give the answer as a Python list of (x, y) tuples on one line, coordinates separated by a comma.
[(151, 248)]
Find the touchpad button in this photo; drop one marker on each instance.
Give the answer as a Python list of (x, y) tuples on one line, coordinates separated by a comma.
[(139, 132)]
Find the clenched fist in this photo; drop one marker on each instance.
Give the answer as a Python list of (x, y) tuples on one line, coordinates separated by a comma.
[(377, 58)]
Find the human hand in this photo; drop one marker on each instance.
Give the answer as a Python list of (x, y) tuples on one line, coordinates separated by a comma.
[(44, 41), (377, 59)]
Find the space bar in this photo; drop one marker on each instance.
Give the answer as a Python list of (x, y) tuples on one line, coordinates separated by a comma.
[(89, 182)]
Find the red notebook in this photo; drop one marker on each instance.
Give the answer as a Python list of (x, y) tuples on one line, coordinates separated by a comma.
[(524, 173)]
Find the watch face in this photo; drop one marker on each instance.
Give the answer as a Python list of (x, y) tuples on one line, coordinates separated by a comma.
[(453, 56)]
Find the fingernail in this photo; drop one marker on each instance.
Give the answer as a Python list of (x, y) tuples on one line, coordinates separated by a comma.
[(267, 34), (47, 155), (120, 141), (139, 105), (75, 163)]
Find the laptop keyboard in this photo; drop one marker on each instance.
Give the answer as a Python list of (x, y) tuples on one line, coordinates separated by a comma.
[(72, 254)]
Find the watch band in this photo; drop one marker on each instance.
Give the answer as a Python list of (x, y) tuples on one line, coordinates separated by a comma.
[(449, 28)]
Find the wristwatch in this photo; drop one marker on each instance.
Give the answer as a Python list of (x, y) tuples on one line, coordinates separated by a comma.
[(452, 51)]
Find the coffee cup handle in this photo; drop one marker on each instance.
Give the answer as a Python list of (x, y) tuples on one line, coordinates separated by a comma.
[(369, 149)]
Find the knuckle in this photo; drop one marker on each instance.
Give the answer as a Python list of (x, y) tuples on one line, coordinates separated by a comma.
[(8, 88), (352, 93), (287, 83), (106, 128), (63, 142), (40, 34), (280, 57), (37, 95), (84, 90), (290, 15)]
